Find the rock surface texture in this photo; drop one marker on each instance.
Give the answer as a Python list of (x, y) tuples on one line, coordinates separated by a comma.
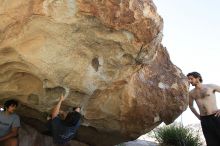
[(107, 52)]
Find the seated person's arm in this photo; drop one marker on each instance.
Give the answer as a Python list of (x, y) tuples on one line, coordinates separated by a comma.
[(13, 133)]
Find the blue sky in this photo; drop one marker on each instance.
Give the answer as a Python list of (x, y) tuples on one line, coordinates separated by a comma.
[(191, 36)]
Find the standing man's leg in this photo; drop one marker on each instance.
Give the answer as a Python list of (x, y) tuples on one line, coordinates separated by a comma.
[(209, 133), (217, 129)]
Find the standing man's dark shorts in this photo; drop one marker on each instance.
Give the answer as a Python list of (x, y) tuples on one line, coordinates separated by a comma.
[(211, 129)]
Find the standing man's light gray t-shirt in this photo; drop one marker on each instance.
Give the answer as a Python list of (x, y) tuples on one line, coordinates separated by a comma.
[(7, 122)]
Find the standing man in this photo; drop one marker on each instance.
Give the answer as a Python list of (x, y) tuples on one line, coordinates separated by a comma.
[(64, 125), (9, 124), (209, 114)]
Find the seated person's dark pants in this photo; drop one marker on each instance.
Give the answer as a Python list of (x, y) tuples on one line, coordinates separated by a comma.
[(211, 129)]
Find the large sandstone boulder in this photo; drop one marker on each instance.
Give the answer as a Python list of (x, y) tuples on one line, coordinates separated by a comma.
[(107, 52)]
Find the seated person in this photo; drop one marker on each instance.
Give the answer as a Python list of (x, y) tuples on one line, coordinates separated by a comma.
[(9, 124)]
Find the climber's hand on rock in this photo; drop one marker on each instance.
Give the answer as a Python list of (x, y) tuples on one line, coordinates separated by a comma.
[(61, 97)]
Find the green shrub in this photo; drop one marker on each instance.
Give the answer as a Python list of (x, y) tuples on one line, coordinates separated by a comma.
[(175, 135)]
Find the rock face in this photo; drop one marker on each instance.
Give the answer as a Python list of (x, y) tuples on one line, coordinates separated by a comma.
[(107, 52)]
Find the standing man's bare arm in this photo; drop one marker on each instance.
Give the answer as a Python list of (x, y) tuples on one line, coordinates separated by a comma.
[(216, 88), (192, 107)]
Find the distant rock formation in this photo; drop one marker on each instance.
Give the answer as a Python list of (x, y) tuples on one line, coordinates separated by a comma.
[(108, 53)]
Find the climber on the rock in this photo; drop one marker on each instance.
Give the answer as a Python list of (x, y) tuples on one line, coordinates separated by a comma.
[(9, 124), (64, 125)]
